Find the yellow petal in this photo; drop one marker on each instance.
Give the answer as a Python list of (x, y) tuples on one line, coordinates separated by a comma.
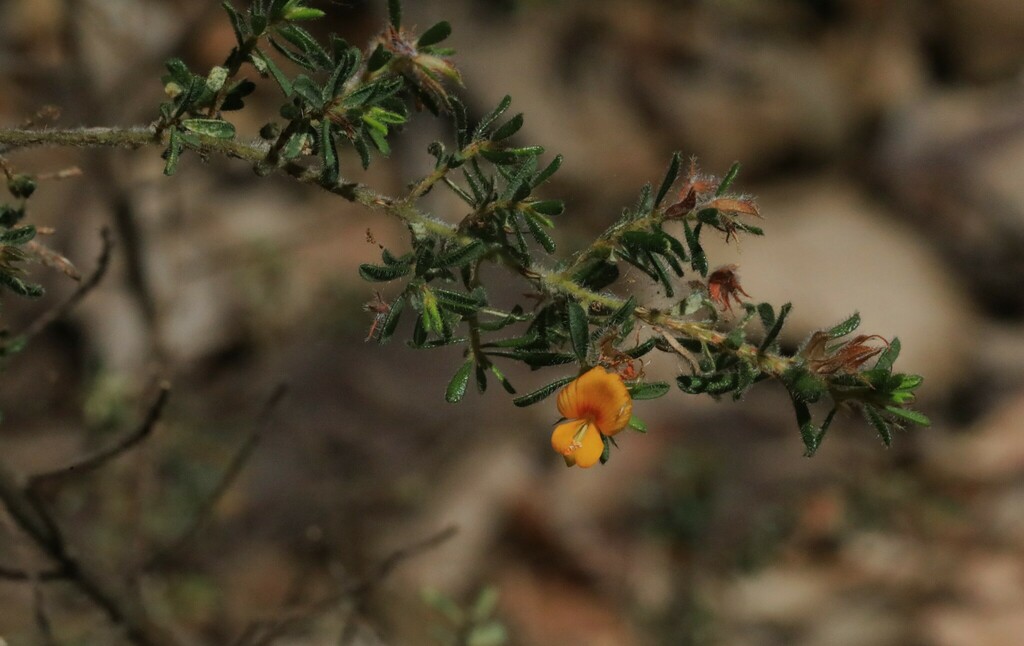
[(598, 396), (579, 442)]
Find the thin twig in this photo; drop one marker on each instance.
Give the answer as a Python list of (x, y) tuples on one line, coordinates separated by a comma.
[(231, 473), (14, 574), (121, 604), (265, 633), (56, 313), (100, 457)]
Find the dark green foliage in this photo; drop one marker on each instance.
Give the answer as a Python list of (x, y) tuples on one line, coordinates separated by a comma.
[(542, 393)]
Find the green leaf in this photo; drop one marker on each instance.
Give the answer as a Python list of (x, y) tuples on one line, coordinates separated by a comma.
[(306, 44), (548, 207), (548, 171), (509, 128), (173, 152), (463, 255), (773, 333), (457, 386), (888, 356), (18, 236), (210, 127), (435, 34), (379, 141), (804, 385), (331, 171), (909, 415), (485, 124), (670, 179), (395, 13), (844, 328), (541, 393), (264, 64), (239, 26), (698, 260), (304, 13), (734, 170), (539, 234), (382, 274), (607, 452), (808, 432), (882, 426), (767, 314), (649, 390), (19, 286), (910, 382), (579, 330), (503, 380), (390, 323), (637, 424)]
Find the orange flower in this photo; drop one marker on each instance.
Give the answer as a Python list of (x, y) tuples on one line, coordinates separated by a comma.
[(595, 404)]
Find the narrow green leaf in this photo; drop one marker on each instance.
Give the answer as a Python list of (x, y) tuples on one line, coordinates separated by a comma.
[(395, 13), (463, 255), (909, 415), (767, 315), (882, 426), (485, 124), (304, 13), (307, 44), (804, 385), (698, 260), (390, 323), (548, 171), (503, 380), (773, 333), (844, 328), (579, 330), (264, 64), (18, 236), (331, 171), (637, 424), (509, 128), (435, 34), (734, 170), (541, 393), (382, 274), (808, 433), (457, 386), (888, 356), (19, 286), (239, 26), (670, 178), (210, 127), (539, 234), (649, 390), (173, 152), (548, 207), (607, 452)]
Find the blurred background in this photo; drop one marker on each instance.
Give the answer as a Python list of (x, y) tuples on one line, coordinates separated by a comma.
[(885, 144)]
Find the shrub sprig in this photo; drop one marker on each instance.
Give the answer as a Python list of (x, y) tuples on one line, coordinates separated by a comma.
[(342, 100)]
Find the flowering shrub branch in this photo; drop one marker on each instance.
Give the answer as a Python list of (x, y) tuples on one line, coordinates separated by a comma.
[(347, 97), (338, 100)]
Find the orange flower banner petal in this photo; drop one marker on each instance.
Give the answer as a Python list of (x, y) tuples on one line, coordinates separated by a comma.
[(598, 396)]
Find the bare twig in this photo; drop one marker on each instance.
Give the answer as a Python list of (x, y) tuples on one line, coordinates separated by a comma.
[(54, 314), (231, 474), (265, 633), (14, 574), (121, 604), (97, 459)]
